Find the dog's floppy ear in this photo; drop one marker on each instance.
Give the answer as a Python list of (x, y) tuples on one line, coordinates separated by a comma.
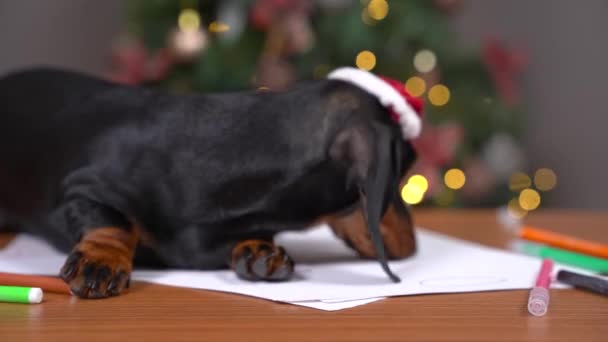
[(375, 163)]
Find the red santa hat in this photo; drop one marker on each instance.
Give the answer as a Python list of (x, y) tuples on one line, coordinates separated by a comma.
[(404, 108)]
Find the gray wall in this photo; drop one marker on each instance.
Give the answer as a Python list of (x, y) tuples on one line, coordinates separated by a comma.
[(70, 33), (565, 85)]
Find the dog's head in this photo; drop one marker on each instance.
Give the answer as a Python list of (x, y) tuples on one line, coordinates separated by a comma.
[(375, 141)]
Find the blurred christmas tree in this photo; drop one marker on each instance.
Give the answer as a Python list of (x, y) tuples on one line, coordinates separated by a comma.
[(468, 149)]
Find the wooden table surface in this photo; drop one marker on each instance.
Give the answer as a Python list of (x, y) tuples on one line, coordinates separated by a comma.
[(153, 312)]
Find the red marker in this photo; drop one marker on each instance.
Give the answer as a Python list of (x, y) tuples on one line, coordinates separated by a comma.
[(538, 302)]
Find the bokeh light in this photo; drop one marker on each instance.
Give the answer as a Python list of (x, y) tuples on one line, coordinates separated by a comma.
[(367, 20), (218, 27), (416, 86), (454, 179), (188, 43), (420, 181), (519, 181), (412, 193), (545, 179), (189, 20), (439, 95), (377, 9), (366, 60), (425, 61), (529, 199), (515, 210)]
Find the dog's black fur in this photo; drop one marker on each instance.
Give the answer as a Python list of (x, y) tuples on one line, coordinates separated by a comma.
[(197, 172)]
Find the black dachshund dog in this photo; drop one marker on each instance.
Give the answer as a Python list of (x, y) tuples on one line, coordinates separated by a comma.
[(120, 175)]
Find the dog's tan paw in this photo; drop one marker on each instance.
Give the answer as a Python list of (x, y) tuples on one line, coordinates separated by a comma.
[(100, 265), (261, 260)]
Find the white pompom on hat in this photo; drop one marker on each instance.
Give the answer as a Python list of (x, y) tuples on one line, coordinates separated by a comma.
[(404, 108)]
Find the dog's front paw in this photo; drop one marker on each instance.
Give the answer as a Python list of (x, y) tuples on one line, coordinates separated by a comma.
[(261, 260), (98, 268)]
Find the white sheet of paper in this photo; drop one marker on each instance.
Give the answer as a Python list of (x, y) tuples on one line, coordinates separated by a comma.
[(329, 276), (335, 305)]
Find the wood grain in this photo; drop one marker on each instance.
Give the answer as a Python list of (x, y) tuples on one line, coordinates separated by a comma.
[(153, 312)]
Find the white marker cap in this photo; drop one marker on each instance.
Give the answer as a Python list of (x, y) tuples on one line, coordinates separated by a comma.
[(35, 295), (538, 301)]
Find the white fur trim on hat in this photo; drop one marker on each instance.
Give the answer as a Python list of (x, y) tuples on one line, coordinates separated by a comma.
[(409, 120)]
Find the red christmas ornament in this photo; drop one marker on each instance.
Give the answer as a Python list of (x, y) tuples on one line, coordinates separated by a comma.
[(503, 65), (133, 64), (261, 14), (437, 144), (265, 12)]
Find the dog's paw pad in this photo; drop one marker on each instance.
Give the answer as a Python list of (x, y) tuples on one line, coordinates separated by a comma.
[(95, 270), (261, 260)]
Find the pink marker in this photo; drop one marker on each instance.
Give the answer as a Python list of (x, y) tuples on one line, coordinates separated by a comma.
[(538, 302)]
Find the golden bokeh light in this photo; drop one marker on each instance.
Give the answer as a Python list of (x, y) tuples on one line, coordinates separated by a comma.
[(377, 9), (218, 27), (189, 20), (416, 86), (367, 20), (529, 199), (420, 181), (515, 210), (412, 193), (519, 181), (439, 95), (454, 179), (425, 61), (545, 179), (366, 60)]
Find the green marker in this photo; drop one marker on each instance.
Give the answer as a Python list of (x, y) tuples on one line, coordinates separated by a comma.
[(18, 294), (562, 256)]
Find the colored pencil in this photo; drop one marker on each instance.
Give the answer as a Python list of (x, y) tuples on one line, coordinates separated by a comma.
[(49, 284), (562, 256), (564, 241)]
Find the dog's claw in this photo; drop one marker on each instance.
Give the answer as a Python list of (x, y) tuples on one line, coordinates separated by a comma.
[(241, 265), (95, 281), (120, 280), (112, 286), (259, 269), (68, 271), (285, 269)]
